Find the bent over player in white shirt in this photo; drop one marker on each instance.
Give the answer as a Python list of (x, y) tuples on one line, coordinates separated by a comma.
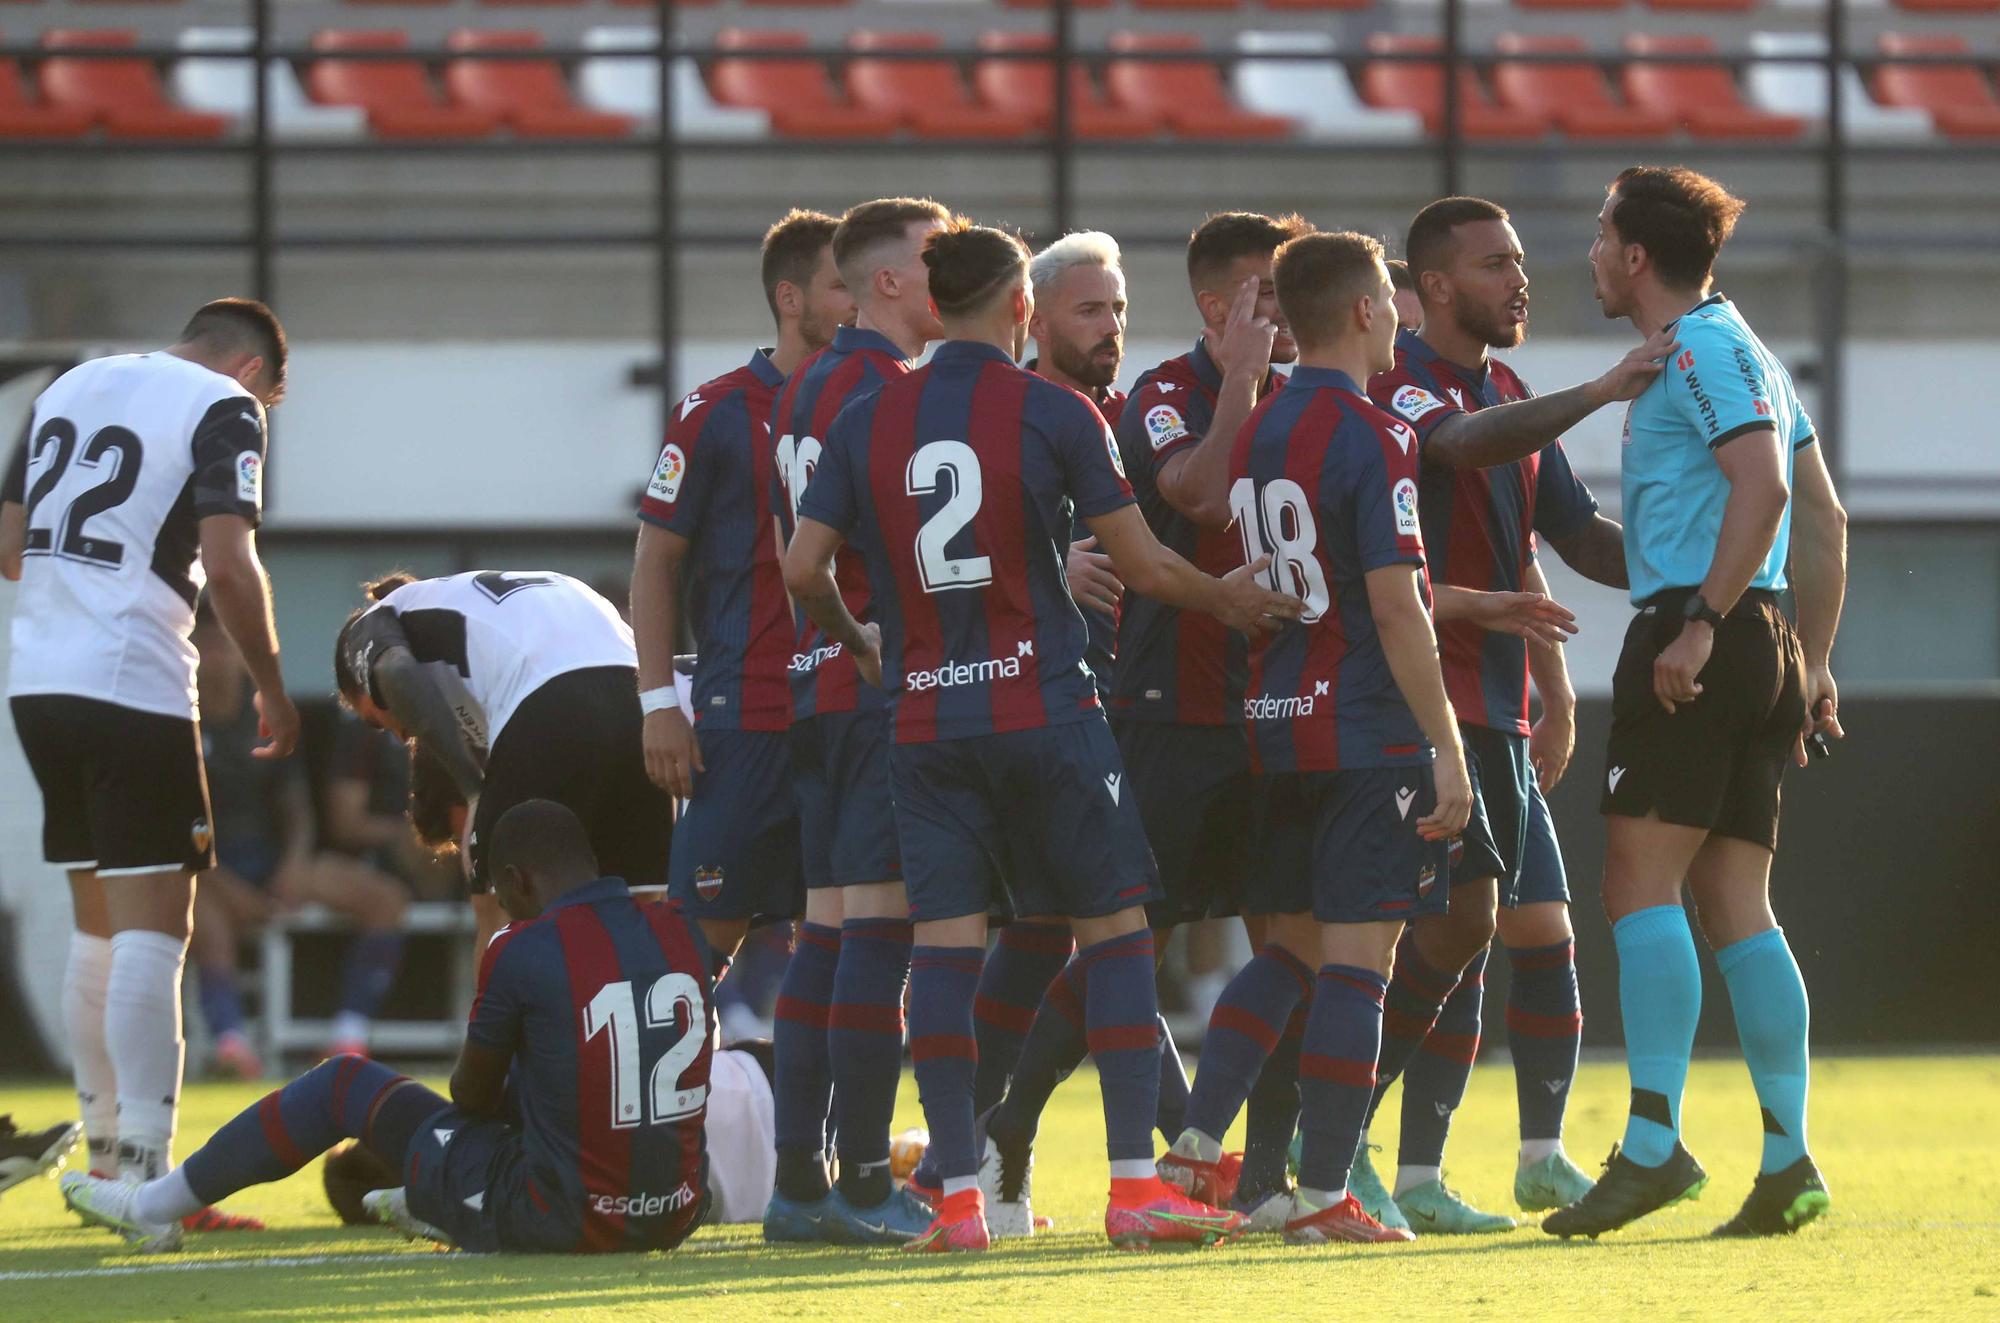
[(140, 479)]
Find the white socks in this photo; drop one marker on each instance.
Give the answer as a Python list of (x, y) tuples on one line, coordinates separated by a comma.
[(1132, 1169), (142, 1028), (1409, 1178), (83, 989), (1536, 1150), (168, 1199)]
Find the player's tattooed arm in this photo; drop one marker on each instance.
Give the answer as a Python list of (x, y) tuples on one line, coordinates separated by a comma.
[(421, 710), (1596, 551), (1504, 433), (809, 579)]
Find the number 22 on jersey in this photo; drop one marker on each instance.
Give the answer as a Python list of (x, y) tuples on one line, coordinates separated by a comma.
[(1278, 522), (618, 1012)]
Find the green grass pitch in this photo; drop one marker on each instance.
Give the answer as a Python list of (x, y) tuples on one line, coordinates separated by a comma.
[(1910, 1147)]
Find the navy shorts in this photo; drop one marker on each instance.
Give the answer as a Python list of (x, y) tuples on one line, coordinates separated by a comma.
[(1344, 846), (840, 778), (468, 1177), (1490, 846), (1193, 788), (1542, 877), (736, 846), (1030, 822)]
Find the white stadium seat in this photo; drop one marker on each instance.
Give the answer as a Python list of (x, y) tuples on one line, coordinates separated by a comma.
[(1314, 90), (1800, 89), (632, 87), (221, 86)]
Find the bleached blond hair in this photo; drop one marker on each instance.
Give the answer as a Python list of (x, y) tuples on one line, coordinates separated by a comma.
[(1082, 248)]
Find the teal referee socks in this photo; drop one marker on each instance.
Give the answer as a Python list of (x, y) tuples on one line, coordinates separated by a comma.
[(1769, 998), (1659, 994)]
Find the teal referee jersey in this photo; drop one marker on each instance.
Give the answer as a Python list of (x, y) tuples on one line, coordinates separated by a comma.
[(1721, 383)]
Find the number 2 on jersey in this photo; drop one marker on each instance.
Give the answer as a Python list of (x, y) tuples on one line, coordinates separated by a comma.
[(616, 1011), (1278, 522), (113, 451), (941, 572)]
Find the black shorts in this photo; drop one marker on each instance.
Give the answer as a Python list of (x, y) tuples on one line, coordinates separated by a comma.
[(123, 791), (1490, 846), (736, 846), (576, 740), (1344, 846), (1193, 788), (1716, 763)]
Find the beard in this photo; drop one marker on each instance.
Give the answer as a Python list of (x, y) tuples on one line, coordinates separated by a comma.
[(1493, 329), (817, 331), (1084, 366)]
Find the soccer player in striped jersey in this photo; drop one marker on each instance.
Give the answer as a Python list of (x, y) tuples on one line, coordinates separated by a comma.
[(1480, 527), (840, 1008), (597, 1009), (1346, 710), (706, 520), (957, 484)]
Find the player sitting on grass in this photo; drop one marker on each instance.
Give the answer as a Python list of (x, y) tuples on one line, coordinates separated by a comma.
[(603, 1005)]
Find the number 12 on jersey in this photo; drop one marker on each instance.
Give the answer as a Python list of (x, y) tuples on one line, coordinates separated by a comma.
[(616, 1011), (1278, 522)]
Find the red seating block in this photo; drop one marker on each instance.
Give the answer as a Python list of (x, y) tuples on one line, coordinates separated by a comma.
[(1187, 4), (1028, 88), (124, 97), (1569, 4), (927, 95), (397, 94), (796, 92), (1702, 98), (529, 96), (1419, 86), (1577, 97), (1960, 100), (1704, 6), (1949, 6), (21, 117), (1188, 94)]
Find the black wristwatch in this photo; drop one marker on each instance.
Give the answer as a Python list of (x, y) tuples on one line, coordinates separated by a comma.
[(1697, 608)]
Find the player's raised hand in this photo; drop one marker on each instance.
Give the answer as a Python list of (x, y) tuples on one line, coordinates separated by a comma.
[(1093, 582), (673, 754), (1454, 797), (1822, 711), (1244, 343), (1630, 375), (1251, 608), (1536, 617), (868, 657), (277, 723)]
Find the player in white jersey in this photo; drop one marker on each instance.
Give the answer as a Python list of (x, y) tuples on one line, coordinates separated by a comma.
[(523, 686), (140, 479)]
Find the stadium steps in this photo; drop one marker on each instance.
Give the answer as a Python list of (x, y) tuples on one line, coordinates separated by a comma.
[(1957, 97)]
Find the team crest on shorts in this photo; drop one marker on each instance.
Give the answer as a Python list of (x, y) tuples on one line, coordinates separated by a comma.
[(1427, 879), (708, 883), (201, 835)]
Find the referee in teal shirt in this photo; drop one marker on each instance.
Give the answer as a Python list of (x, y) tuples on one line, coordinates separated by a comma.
[(1726, 494)]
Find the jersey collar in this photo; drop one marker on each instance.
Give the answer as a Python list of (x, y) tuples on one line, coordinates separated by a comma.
[(1319, 378), (1413, 344), (970, 351), (1714, 298), (762, 368), (852, 339), (604, 888)]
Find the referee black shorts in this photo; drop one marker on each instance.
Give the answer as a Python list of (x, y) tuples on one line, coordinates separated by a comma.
[(1716, 763)]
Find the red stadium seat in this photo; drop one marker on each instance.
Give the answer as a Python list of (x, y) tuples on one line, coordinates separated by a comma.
[(1028, 88), (1948, 6), (1419, 86), (1569, 4), (796, 92), (1189, 95), (784, 4), (927, 95), (1960, 100), (397, 94), (23, 118), (124, 97), (1704, 6), (1576, 96), (1319, 4), (1044, 4), (529, 96), (1702, 98), (1187, 4)]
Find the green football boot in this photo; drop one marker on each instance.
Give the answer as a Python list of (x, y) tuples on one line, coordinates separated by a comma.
[(1434, 1209), (1366, 1186), (1781, 1202), (1554, 1182)]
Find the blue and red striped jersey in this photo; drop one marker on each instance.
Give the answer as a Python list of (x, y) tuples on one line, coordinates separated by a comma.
[(712, 486), (856, 364), (1102, 653), (958, 483), (604, 1005), (1176, 666), (1325, 484), (1480, 524)]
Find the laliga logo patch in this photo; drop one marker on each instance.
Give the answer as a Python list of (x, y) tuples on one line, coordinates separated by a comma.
[(666, 483), (1164, 424), (250, 477), (708, 882), (1405, 497), (201, 835), (1413, 402)]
